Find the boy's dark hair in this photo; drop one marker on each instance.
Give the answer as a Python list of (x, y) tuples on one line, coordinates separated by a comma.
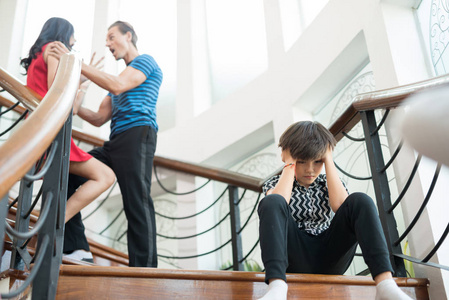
[(125, 27), (307, 140)]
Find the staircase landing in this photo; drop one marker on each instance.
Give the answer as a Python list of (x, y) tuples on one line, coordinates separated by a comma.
[(97, 282)]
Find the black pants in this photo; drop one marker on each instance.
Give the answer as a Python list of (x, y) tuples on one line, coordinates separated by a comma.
[(286, 248), (130, 154)]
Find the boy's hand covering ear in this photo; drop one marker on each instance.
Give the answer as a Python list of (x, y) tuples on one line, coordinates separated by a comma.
[(328, 156), (286, 157)]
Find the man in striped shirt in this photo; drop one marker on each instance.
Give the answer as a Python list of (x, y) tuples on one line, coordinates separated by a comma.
[(131, 107)]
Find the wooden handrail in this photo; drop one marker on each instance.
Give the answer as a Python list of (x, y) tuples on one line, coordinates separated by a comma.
[(34, 136), (8, 103), (87, 138), (78, 135), (381, 99), (22, 93), (225, 176)]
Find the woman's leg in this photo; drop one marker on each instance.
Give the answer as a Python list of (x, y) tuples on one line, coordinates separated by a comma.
[(99, 178)]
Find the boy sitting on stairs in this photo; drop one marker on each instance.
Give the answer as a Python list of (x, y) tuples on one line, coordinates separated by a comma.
[(309, 223)]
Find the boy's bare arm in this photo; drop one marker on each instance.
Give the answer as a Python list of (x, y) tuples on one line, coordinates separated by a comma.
[(337, 192), (284, 186)]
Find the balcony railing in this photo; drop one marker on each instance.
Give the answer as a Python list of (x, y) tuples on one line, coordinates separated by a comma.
[(234, 197)]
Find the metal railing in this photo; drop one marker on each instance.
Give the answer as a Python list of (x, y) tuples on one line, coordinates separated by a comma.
[(363, 111), (37, 149)]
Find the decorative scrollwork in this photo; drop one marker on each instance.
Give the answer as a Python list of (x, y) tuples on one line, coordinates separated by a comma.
[(260, 165), (364, 83), (439, 35)]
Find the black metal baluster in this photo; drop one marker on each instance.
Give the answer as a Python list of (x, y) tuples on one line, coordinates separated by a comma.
[(237, 252), (3, 214), (55, 183), (22, 223), (382, 190)]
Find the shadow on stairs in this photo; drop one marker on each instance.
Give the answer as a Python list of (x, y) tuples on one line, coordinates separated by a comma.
[(99, 282)]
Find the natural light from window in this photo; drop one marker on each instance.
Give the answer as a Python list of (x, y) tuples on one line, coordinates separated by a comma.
[(237, 44), (296, 15)]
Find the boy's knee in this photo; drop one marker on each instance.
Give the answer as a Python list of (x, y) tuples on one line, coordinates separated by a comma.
[(273, 202), (361, 201)]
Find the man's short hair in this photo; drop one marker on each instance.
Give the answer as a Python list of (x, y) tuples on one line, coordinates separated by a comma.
[(307, 140), (125, 27)]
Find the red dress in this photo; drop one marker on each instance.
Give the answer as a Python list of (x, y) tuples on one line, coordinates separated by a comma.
[(37, 81)]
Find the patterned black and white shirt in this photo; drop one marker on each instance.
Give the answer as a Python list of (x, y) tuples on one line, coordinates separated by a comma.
[(310, 207)]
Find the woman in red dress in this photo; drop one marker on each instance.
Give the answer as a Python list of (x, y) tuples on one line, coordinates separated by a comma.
[(41, 70)]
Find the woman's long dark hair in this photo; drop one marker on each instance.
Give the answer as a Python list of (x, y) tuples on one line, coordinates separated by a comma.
[(55, 29)]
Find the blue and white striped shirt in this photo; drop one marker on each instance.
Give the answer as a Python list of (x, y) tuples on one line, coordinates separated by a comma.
[(137, 107)]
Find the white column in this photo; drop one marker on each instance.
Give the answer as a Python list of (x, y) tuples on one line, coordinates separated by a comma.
[(106, 12), (200, 58), (273, 27), (12, 26), (184, 90)]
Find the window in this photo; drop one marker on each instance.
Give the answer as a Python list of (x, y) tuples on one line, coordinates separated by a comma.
[(155, 23), (237, 44), (79, 13), (433, 17), (296, 15)]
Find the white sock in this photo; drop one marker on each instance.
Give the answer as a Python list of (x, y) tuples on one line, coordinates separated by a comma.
[(277, 290), (388, 290)]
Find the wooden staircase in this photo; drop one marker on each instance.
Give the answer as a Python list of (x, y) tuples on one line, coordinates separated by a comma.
[(99, 282), (110, 278)]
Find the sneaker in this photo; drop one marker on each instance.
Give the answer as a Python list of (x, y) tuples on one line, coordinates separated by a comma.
[(81, 255), (89, 260)]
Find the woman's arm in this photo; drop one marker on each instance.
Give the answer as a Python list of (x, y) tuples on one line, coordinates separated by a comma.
[(80, 96), (52, 66), (337, 191)]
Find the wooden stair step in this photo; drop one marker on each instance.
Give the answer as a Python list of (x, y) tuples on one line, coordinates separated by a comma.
[(90, 282), (103, 255)]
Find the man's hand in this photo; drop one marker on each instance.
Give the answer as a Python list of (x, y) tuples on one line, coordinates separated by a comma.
[(98, 65), (57, 49)]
